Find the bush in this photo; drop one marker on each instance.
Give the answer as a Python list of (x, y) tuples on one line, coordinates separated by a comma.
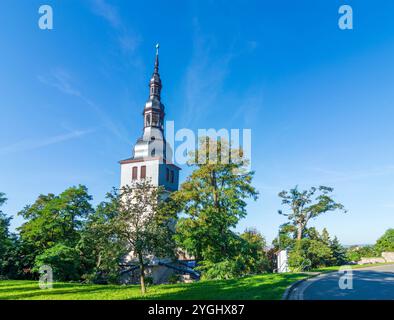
[(148, 281), (355, 254), (310, 254), (318, 253), (386, 242), (64, 261), (338, 252), (222, 270), (296, 260), (174, 278)]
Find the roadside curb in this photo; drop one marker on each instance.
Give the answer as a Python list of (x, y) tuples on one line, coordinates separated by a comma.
[(293, 286)]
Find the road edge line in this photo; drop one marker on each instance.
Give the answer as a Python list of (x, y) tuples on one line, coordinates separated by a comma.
[(290, 288)]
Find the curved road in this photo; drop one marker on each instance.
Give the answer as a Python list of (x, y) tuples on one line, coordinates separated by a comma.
[(373, 283)]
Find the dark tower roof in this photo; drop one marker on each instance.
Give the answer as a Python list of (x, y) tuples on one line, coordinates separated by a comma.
[(155, 81)]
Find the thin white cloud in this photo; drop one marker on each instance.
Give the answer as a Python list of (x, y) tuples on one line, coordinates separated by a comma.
[(339, 176), (108, 12), (127, 39), (30, 144), (61, 80)]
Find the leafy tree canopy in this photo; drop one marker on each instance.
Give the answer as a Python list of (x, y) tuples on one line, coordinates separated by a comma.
[(144, 224), (213, 200), (100, 245), (64, 260), (55, 219), (385, 242), (306, 205)]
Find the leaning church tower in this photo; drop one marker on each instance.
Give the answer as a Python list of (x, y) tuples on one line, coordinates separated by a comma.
[(151, 157)]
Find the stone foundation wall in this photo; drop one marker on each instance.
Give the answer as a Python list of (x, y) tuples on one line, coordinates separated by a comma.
[(371, 260), (388, 256)]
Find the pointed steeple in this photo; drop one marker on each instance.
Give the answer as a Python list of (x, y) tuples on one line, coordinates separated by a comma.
[(155, 82), (157, 59)]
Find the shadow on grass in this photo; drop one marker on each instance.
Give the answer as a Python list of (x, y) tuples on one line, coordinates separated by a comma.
[(263, 287), (16, 283), (33, 286), (78, 291)]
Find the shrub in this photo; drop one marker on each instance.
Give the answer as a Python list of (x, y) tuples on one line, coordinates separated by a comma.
[(296, 259), (174, 278), (386, 242), (222, 270), (318, 253), (310, 254), (64, 261), (148, 281), (355, 254)]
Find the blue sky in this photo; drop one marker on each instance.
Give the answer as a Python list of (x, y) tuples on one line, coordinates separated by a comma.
[(319, 100)]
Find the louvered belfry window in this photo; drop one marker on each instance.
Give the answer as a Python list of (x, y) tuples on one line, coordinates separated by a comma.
[(143, 172), (135, 173)]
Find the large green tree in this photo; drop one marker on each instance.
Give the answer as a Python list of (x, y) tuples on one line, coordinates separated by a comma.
[(64, 260), (4, 225), (306, 205), (213, 200), (100, 245), (6, 241), (145, 224), (256, 260), (53, 220), (285, 238), (338, 252), (313, 250), (12, 258)]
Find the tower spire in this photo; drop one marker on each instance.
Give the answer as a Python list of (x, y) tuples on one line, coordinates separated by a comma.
[(155, 81), (157, 58)]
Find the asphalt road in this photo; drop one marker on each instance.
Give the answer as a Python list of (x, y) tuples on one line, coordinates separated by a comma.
[(374, 283)]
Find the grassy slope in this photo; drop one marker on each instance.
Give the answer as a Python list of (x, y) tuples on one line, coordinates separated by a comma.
[(266, 286)]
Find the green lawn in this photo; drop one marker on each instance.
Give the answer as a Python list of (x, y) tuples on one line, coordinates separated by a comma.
[(261, 287), (266, 286)]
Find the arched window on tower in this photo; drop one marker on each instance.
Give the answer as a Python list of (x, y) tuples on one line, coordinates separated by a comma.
[(155, 120), (147, 120)]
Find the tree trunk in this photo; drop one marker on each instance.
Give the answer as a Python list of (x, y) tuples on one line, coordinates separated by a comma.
[(299, 232), (142, 275)]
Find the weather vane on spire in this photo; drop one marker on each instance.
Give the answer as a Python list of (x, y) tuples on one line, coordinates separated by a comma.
[(157, 48)]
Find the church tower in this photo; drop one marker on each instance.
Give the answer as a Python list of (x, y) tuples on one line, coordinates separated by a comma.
[(149, 157)]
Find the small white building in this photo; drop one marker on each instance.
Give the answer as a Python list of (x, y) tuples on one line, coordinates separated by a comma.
[(282, 261)]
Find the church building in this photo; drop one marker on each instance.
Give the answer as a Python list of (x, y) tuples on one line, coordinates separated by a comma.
[(152, 156), (152, 159)]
